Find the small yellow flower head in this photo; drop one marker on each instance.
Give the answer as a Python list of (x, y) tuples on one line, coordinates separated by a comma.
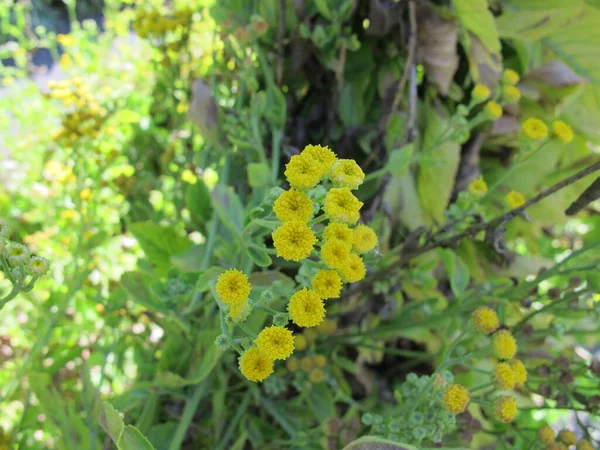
[(478, 187), (485, 319), (515, 199), (311, 334), (292, 364), (519, 371), (510, 77), (511, 94), (346, 173), (17, 254), (342, 206), (354, 270), (584, 444), (456, 398), (233, 287), (294, 240), (557, 446), (506, 409), (303, 172), (327, 284), (320, 360), (293, 205), (322, 155), (562, 131), (480, 93), (239, 312), (65, 61), (85, 194), (307, 364), (335, 253), (339, 231), (535, 129), (493, 110), (567, 437), (276, 342), (505, 346), (316, 376), (365, 239), (504, 377), (300, 342), (306, 308), (255, 365), (38, 266), (65, 39), (327, 327), (546, 434)]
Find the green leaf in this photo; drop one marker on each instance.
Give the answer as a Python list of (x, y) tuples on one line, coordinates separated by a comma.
[(197, 199), (477, 18), (323, 8), (137, 285), (457, 270), (259, 174), (375, 443), (111, 421), (321, 402), (402, 197), (132, 439), (260, 256), (209, 275), (352, 105), (399, 160), (229, 208)]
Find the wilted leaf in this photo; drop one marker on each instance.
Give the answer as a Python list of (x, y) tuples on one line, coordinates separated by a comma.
[(505, 125), (436, 47), (203, 110), (485, 66), (402, 198), (383, 16), (556, 74), (458, 272)]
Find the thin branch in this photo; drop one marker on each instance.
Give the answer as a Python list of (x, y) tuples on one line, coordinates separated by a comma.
[(280, 43)]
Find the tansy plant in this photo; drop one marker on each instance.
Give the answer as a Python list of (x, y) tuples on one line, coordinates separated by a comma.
[(316, 225)]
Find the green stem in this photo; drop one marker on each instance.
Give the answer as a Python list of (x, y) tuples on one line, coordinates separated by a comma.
[(188, 414), (275, 155)]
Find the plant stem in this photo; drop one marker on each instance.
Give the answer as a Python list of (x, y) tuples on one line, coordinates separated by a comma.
[(188, 414)]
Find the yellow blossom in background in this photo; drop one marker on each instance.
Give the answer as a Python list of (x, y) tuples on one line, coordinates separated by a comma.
[(69, 214), (567, 437), (65, 61), (354, 269), (506, 409), (322, 155), (562, 131), (480, 93), (515, 199), (505, 345), (316, 376), (300, 342), (584, 444), (342, 206), (85, 194), (456, 398), (335, 253), (293, 240), (546, 434), (327, 327), (292, 364), (346, 173), (320, 360), (233, 287), (8, 81), (535, 129), (303, 172), (557, 446), (307, 364), (339, 231), (478, 187), (493, 110), (65, 39), (365, 239), (504, 377), (327, 284), (255, 365), (519, 371), (510, 77), (293, 205), (306, 308), (276, 342), (485, 319), (511, 94), (311, 334)]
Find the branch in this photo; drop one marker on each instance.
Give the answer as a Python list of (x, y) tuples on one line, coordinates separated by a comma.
[(280, 38)]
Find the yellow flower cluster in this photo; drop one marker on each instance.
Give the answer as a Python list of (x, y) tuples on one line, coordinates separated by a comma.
[(546, 435), (456, 398), (566, 437), (155, 23), (233, 288), (485, 319), (478, 187), (506, 409), (536, 129), (505, 345)]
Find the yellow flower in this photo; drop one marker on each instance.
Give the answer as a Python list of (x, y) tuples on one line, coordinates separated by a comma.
[(255, 365), (316, 376), (342, 206), (478, 187), (456, 398), (365, 239), (294, 240), (506, 409), (562, 131), (515, 199), (311, 334), (510, 77), (238, 312), (546, 434), (485, 319), (584, 444), (354, 269), (567, 437), (504, 376), (8, 81), (276, 342), (346, 173), (339, 231), (85, 194), (38, 266), (292, 364), (480, 93), (300, 342), (327, 284), (335, 253), (535, 129), (322, 155), (327, 327), (303, 172), (505, 346), (493, 110), (65, 39), (306, 308), (320, 360), (65, 61), (511, 94), (306, 364), (519, 371), (293, 205), (233, 287), (69, 214)]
